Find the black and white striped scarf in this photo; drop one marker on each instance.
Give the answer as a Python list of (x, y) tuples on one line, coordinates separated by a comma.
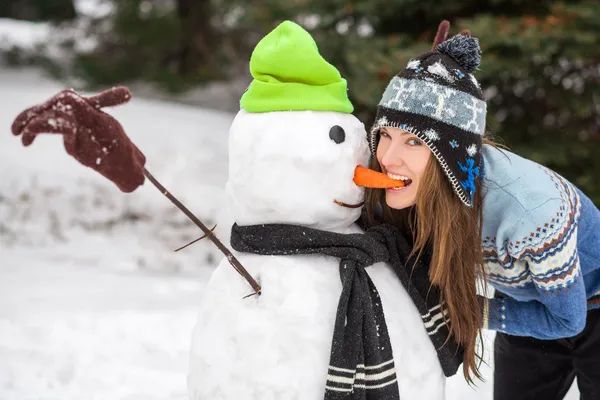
[(361, 361)]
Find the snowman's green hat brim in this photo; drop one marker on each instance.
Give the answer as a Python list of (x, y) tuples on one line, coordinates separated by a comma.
[(290, 75), (292, 96)]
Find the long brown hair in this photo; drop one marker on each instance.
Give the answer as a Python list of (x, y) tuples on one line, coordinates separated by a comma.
[(440, 220)]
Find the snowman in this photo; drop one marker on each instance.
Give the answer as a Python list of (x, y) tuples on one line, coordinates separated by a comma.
[(294, 149)]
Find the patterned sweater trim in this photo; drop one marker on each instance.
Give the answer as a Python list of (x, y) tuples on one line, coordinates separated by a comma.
[(545, 237)]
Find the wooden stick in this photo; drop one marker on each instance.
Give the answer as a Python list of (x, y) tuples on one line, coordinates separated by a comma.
[(196, 240), (230, 257)]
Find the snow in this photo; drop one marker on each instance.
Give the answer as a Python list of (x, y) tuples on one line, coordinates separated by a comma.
[(275, 157), (94, 8), (42, 38), (21, 34), (94, 303), (47, 39)]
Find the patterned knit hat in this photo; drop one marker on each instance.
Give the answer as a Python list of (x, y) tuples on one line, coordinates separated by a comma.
[(437, 98)]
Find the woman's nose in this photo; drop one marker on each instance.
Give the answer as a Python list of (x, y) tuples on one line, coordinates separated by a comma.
[(392, 156)]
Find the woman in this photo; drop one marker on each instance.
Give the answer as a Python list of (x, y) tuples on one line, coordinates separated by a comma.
[(487, 213)]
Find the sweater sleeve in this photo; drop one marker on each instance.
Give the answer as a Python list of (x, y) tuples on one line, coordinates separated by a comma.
[(561, 308)]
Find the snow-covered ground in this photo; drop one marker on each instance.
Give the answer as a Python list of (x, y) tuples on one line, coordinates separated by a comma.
[(94, 303)]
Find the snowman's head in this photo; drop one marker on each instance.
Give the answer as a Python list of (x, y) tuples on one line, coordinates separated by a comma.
[(296, 167), (294, 146)]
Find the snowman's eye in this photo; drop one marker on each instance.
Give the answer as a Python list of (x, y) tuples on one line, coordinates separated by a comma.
[(337, 134)]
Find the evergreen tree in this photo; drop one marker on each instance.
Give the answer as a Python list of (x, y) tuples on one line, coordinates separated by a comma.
[(171, 43), (38, 10), (540, 67)]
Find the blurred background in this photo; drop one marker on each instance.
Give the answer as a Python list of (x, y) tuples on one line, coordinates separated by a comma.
[(540, 65), (94, 302)]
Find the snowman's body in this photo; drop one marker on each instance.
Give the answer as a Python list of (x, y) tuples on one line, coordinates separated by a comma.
[(285, 168)]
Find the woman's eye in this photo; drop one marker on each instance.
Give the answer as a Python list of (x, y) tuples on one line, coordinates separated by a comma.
[(414, 142), (383, 134)]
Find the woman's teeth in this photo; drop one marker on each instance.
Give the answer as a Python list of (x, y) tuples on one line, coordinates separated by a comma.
[(407, 181)]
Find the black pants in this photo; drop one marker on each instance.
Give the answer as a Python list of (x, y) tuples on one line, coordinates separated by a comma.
[(532, 369)]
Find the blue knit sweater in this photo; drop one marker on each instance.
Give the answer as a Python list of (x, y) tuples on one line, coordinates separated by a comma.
[(541, 243)]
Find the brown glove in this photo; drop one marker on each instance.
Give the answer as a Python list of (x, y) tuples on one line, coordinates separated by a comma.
[(93, 137), (442, 33)]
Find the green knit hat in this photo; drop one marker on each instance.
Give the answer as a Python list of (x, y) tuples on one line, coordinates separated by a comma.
[(290, 75)]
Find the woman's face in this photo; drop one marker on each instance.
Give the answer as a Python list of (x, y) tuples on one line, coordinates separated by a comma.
[(402, 155)]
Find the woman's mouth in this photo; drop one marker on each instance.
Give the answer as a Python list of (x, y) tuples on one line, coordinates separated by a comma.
[(372, 179), (407, 181)]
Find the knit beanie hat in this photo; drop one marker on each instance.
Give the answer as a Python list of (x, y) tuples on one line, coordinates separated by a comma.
[(290, 75), (437, 98)]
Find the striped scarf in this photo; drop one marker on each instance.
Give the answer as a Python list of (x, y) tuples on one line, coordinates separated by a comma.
[(361, 361)]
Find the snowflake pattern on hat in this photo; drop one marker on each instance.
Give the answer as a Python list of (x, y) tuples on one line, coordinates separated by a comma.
[(414, 65), (432, 134), (382, 121), (472, 173), (472, 150), (439, 69), (474, 80)]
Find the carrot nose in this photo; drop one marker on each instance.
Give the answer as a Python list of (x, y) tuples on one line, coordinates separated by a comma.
[(372, 179)]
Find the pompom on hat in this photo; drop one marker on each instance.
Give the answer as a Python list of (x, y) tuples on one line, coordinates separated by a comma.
[(437, 98)]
